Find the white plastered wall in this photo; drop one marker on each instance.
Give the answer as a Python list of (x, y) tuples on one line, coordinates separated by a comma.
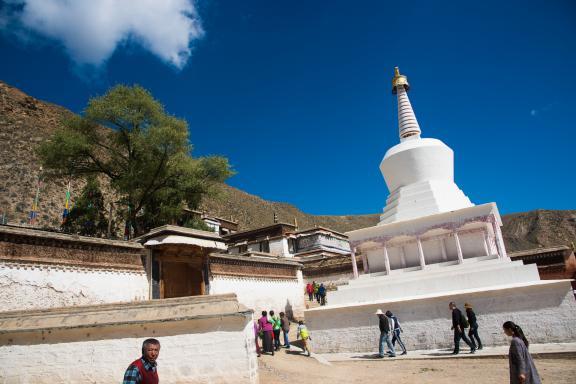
[(29, 286), (262, 294), (545, 311), (201, 351)]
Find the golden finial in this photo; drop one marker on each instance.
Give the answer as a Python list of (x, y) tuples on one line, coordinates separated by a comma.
[(399, 80)]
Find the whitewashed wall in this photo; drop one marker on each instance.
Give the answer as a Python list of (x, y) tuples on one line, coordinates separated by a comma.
[(279, 247), (34, 286), (546, 313), (218, 351), (262, 294)]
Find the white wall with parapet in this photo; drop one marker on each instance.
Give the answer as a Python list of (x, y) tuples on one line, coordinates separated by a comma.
[(33, 286), (216, 347), (212, 357), (545, 310), (261, 294)]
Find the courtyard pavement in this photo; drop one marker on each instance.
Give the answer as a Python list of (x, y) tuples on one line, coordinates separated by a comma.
[(543, 350)]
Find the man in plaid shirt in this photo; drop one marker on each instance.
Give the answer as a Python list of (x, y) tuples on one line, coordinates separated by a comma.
[(143, 370)]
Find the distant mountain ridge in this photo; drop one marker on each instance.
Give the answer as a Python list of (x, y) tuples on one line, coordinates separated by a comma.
[(26, 121)]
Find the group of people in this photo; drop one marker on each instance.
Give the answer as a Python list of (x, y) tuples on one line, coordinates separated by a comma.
[(522, 368), (269, 327), (316, 292), (459, 325), (389, 325)]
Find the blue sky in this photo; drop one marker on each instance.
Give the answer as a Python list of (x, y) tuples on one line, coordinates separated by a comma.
[(297, 93)]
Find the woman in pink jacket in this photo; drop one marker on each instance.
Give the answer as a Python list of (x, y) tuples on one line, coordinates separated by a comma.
[(265, 327)]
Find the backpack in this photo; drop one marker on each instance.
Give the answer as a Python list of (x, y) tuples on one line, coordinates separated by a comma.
[(463, 321)]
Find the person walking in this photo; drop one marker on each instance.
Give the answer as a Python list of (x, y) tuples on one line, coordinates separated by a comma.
[(302, 333), (384, 325), (316, 286), (265, 328), (310, 291), (396, 330), (285, 325), (276, 329), (144, 370), (473, 332), (522, 368), (322, 294), (459, 324)]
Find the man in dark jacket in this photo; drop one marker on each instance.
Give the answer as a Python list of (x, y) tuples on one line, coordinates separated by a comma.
[(473, 332), (458, 325), (384, 325), (322, 294)]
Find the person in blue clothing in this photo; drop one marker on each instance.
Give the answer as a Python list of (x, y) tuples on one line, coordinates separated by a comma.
[(322, 294), (396, 330), (384, 325)]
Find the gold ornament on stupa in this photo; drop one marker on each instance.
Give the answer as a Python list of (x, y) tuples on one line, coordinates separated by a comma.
[(399, 81)]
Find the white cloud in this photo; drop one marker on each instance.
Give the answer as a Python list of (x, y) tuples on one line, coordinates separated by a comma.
[(91, 30)]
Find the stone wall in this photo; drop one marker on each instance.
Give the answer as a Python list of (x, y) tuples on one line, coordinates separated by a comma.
[(208, 339), (545, 310), (40, 269)]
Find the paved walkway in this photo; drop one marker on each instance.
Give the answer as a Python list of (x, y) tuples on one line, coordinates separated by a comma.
[(535, 350)]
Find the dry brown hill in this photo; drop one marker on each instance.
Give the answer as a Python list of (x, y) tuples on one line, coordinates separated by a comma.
[(252, 212), (26, 121)]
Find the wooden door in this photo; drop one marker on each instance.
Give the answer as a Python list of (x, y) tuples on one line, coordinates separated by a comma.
[(181, 279)]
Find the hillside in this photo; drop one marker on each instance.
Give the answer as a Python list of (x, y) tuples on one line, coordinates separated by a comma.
[(26, 121)]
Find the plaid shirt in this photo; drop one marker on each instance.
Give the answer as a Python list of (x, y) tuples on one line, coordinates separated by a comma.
[(132, 375)]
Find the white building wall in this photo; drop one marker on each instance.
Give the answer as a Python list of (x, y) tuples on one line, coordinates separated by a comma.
[(277, 247), (432, 249), (191, 355), (426, 322), (472, 244), (262, 294), (33, 286)]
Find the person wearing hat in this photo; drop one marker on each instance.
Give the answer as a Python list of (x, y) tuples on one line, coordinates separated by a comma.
[(473, 331), (384, 325)]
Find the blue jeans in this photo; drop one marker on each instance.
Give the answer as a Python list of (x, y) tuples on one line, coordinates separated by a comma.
[(385, 338), (286, 341)]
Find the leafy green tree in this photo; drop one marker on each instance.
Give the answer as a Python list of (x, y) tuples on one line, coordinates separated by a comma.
[(127, 136), (88, 216)]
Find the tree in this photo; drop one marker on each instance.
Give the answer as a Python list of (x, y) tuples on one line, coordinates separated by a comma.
[(88, 216), (127, 136)]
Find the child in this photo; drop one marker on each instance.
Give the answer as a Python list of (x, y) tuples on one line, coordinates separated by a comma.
[(302, 332)]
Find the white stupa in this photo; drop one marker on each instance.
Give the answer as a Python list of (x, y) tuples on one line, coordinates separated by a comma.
[(433, 246)]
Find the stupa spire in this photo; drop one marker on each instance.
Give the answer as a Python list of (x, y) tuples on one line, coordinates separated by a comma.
[(407, 122)]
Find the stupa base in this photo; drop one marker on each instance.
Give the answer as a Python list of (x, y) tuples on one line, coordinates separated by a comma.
[(544, 309)]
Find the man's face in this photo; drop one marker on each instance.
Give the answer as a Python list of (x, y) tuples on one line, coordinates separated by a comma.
[(451, 307), (151, 352)]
